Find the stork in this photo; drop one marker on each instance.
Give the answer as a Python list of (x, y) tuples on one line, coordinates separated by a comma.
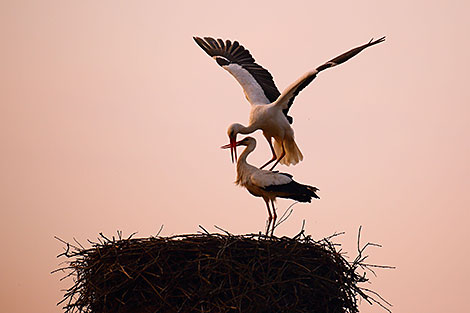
[(268, 184), (269, 107)]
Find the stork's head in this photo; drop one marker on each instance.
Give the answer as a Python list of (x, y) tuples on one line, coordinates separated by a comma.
[(232, 133), (247, 141)]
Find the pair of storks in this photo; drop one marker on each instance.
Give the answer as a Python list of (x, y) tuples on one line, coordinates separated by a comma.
[(269, 112)]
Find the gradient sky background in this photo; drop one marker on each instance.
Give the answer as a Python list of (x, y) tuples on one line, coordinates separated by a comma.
[(111, 118)]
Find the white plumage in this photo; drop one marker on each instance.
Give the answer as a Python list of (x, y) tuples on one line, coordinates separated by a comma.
[(269, 108), (268, 184), (253, 91)]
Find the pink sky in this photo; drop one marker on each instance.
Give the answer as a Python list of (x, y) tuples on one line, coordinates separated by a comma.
[(111, 118)]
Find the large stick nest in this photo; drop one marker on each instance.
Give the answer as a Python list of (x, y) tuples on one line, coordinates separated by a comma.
[(213, 273)]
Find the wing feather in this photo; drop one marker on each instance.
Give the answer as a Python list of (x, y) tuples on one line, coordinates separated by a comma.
[(255, 80), (265, 179), (286, 99)]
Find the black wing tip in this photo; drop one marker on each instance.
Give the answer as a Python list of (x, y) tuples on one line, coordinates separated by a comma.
[(313, 191), (208, 44), (200, 42), (372, 42), (197, 39), (211, 45), (349, 54), (207, 39)]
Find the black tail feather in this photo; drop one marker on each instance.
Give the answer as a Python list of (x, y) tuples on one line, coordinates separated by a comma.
[(294, 191)]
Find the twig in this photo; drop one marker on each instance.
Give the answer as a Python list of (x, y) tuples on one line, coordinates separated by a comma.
[(283, 218), (302, 230), (159, 231), (223, 230), (64, 242), (200, 226)]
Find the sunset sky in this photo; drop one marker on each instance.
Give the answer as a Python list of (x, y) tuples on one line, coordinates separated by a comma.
[(111, 118)]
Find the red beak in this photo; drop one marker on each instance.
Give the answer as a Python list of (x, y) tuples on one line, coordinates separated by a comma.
[(233, 149)]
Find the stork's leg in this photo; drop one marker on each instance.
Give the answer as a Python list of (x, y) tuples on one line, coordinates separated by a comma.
[(273, 152), (270, 217), (280, 157), (274, 217)]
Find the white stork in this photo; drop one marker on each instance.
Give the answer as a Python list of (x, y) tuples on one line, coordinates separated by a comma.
[(269, 108), (268, 184)]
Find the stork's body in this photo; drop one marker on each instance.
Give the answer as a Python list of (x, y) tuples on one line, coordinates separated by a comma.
[(270, 119), (268, 184), (269, 108)]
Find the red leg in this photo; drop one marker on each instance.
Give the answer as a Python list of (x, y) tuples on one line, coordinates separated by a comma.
[(280, 157), (270, 217), (274, 218), (273, 152)]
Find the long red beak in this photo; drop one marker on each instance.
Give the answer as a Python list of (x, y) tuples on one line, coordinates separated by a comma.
[(233, 149)]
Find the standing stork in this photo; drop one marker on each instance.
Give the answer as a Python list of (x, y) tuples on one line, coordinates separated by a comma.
[(268, 184), (269, 108)]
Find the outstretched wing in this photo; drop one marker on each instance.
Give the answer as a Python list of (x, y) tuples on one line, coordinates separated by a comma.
[(287, 97), (257, 82)]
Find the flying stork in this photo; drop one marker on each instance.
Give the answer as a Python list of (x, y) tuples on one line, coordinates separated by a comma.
[(268, 184), (269, 107)]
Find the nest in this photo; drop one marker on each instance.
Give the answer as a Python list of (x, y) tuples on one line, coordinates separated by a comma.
[(213, 273)]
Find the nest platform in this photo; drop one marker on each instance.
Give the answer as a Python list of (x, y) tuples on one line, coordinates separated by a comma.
[(212, 273)]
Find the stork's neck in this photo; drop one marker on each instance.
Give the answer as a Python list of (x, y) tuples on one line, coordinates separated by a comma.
[(247, 130), (245, 153), (243, 168)]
